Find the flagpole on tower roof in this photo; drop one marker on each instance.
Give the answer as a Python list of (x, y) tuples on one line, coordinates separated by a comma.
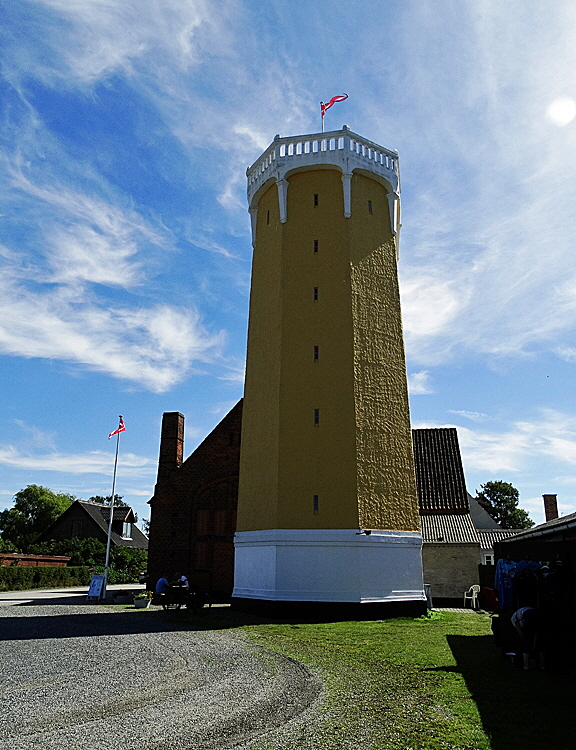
[(324, 107)]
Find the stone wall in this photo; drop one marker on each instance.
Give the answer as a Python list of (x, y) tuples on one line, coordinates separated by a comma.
[(450, 569)]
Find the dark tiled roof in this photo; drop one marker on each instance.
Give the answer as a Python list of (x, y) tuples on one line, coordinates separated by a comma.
[(121, 513), (439, 473), (451, 528), (454, 528), (490, 537), (101, 515)]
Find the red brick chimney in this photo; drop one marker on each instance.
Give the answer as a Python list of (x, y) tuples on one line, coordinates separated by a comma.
[(171, 440), (550, 507)]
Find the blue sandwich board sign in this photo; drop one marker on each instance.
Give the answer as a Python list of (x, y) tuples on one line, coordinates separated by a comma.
[(95, 589)]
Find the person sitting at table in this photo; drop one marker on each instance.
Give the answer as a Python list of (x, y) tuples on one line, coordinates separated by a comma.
[(162, 585), (181, 581)]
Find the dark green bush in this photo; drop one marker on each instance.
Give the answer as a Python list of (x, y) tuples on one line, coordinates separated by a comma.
[(15, 578), (125, 562)]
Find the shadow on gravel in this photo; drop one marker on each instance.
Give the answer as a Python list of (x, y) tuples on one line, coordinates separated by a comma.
[(532, 710), (123, 622), (119, 621)]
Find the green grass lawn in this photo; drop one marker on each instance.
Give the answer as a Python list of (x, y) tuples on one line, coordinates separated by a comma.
[(412, 684)]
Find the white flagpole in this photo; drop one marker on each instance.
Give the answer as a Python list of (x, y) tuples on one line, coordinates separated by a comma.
[(321, 104), (103, 595)]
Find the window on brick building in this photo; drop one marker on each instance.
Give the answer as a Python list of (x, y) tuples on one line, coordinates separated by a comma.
[(316, 416), (221, 522), (315, 199), (202, 521), (201, 555), (315, 504), (76, 528), (316, 350), (315, 294), (315, 246)]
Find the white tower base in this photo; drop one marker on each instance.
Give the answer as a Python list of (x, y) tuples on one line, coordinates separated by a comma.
[(328, 565)]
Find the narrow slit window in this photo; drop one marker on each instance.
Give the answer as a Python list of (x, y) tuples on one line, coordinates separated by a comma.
[(315, 354), (315, 505), (369, 207), (315, 294), (316, 416), (315, 199), (268, 218), (315, 246)]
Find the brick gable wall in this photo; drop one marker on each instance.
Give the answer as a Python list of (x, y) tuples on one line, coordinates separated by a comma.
[(193, 510)]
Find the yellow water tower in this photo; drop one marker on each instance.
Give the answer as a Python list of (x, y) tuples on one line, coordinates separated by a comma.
[(327, 505)]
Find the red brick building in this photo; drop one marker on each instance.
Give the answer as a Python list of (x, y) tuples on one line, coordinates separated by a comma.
[(193, 509)]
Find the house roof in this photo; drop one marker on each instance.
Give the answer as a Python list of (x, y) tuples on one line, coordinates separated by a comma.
[(100, 515), (556, 525), (121, 512), (439, 472), (480, 516), (458, 528), (490, 537), (450, 528)]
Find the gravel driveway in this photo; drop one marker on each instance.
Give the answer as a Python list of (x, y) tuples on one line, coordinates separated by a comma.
[(85, 676)]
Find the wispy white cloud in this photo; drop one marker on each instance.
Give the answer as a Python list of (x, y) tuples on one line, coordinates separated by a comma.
[(551, 438), (79, 253), (222, 408), (154, 347), (235, 370), (83, 233), (90, 462), (418, 383), (111, 220), (37, 437), (475, 416), (101, 37), (487, 242), (54, 302)]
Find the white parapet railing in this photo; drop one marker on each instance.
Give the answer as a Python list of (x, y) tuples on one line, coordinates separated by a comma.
[(342, 148)]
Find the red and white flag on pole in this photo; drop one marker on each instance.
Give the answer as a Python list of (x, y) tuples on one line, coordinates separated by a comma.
[(121, 428), (326, 105)]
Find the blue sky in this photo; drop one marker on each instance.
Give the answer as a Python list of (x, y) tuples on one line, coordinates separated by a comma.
[(126, 129)]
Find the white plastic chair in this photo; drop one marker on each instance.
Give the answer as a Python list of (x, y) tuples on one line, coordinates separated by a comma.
[(472, 594)]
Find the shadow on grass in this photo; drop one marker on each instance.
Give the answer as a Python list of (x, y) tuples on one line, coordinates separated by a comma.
[(530, 710)]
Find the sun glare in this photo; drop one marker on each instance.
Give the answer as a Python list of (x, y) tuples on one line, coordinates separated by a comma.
[(561, 111)]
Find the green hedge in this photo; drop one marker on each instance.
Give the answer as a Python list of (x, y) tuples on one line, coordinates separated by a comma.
[(125, 562), (15, 578)]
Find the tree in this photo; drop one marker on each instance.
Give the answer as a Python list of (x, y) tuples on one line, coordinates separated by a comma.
[(35, 508), (500, 499), (118, 502), (7, 546)]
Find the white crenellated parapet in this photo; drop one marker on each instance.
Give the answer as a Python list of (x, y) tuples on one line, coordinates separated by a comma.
[(339, 149)]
